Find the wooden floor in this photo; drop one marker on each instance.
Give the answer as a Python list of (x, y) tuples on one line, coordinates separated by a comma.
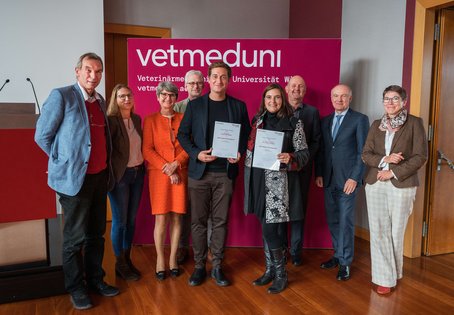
[(427, 288)]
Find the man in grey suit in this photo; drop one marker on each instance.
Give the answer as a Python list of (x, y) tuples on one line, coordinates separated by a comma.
[(193, 84), (309, 115), (339, 170), (74, 133)]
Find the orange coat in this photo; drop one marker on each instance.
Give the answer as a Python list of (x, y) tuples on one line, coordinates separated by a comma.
[(158, 149)]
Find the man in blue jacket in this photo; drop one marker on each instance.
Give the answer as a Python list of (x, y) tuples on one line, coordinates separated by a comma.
[(73, 131), (340, 170), (211, 179)]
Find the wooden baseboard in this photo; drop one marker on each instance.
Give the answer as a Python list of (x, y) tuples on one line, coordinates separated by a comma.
[(31, 284)]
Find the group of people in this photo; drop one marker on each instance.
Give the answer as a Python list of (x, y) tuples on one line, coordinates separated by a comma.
[(96, 151)]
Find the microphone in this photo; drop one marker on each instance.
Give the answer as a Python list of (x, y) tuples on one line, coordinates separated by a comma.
[(34, 93), (6, 81)]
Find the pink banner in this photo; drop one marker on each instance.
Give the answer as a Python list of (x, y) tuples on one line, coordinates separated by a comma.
[(255, 64)]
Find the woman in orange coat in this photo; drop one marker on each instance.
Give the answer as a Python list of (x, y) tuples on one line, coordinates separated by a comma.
[(167, 174)]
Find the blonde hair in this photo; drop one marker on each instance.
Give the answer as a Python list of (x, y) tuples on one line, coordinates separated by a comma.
[(113, 109)]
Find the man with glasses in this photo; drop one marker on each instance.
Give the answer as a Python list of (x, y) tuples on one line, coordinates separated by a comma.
[(211, 178), (339, 170), (193, 84), (73, 131)]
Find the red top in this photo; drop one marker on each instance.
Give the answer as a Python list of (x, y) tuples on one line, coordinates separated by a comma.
[(98, 155)]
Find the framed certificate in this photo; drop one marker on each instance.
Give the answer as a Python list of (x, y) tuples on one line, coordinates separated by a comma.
[(226, 139), (268, 144)]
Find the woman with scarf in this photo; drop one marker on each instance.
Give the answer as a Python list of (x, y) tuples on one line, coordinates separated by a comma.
[(273, 195), (395, 149)]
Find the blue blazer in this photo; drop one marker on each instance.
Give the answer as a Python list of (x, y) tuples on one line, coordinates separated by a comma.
[(192, 133), (63, 132), (340, 160)]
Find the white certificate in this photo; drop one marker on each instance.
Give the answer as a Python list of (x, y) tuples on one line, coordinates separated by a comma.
[(226, 139), (268, 144)]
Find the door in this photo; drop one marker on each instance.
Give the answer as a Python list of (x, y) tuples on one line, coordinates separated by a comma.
[(115, 46), (116, 57), (440, 207)]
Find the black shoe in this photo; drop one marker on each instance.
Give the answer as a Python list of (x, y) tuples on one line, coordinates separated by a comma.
[(330, 264), (123, 270), (197, 277), (266, 278), (160, 275), (104, 289), (130, 264), (175, 272), (80, 300), (219, 276), (182, 255), (343, 273), (296, 260)]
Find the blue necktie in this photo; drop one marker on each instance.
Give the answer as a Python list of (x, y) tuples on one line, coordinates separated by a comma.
[(336, 126)]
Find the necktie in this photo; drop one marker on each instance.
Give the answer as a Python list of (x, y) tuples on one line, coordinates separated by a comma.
[(336, 126)]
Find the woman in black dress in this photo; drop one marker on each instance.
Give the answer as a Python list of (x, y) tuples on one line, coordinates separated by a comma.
[(272, 195)]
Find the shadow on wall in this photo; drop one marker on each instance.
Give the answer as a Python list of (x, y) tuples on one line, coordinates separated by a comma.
[(362, 76)]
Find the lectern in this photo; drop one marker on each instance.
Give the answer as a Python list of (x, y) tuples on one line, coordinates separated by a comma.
[(30, 229)]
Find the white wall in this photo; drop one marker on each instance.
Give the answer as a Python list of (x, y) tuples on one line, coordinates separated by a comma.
[(42, 40), (205, 18), (371, 59)]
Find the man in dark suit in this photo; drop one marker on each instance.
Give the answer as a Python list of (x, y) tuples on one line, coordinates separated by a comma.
[(309, 115), (211, 179), (339, 169)]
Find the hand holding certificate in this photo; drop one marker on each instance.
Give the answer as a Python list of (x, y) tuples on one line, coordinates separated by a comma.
[(226, 139), (268, 144)]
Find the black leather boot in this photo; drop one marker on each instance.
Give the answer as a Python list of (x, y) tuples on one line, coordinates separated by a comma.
[(280, 281), (122, 269), (129, 262), (269, 274)]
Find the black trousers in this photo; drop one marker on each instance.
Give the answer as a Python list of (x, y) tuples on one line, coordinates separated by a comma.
[(83, 232), (296, 237)]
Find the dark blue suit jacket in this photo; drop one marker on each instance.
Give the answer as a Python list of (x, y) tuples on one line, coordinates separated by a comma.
[(340, 160), (192, 133)]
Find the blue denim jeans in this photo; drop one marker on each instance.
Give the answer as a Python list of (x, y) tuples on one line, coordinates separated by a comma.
[(124, 201), (83, 232)]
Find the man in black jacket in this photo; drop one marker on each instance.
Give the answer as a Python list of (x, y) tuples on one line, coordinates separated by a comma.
[(211, 178), (309, 115)]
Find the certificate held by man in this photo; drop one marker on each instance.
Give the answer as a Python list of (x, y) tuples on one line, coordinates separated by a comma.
[(268, 144), (226, 139)]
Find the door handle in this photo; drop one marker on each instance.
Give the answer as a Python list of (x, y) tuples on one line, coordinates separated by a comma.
[(440, 159)]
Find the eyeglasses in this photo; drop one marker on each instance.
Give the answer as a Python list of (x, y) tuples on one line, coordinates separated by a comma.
[(195, 83), (124, 96), (394, 99), (165, 95)]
